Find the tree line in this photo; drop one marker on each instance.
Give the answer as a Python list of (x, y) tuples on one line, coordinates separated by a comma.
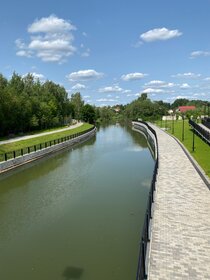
[(26, 104)]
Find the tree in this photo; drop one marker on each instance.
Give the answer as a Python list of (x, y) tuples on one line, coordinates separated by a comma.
[(78, 103), (88, 114)]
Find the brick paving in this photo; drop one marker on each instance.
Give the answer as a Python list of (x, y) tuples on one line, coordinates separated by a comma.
[(180, 240)]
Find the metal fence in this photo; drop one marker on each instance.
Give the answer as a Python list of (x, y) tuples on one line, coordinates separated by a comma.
[(145, 237), (34, 148), (200, 131), (206, 122)]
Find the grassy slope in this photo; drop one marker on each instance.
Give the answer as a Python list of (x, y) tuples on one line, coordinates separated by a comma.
[(41, 139), (202, 150)]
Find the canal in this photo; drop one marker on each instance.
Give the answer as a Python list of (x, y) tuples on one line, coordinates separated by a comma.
[(78, 214)]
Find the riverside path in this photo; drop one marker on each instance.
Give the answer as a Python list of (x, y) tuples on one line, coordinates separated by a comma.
[(180, 230), (39, 134)]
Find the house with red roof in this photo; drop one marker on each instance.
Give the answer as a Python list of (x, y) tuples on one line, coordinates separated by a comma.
[(184, 109)]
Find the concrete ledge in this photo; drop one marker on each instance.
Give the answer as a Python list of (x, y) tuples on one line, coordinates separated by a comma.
[(19, 161), (143, 128)]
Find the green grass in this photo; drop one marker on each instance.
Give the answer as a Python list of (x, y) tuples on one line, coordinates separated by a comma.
[(5, 148), (33, 132), (202, 150)]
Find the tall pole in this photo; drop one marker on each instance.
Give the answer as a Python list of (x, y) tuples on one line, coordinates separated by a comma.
[(193, 145), (182, 128), (172, 124)]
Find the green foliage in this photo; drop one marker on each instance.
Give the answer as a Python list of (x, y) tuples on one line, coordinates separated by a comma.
[(88, 113), (143, 108), (78, 103), (27, 105)]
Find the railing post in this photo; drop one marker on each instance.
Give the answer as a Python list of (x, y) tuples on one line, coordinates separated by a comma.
[(21, 151), (28, 150), (14, 154), (143, 258), (5, 156)]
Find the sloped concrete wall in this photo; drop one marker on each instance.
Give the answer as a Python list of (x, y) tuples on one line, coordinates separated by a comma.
[(13, 163)]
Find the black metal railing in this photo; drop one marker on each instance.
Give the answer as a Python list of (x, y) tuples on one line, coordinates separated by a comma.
[(145, 237), (200, 131), (37, 147), (206, 122)]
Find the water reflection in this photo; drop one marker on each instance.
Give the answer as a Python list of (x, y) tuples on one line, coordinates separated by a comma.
[(72, 272)]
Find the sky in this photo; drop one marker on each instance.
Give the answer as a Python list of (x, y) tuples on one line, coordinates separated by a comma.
[(110, 51)]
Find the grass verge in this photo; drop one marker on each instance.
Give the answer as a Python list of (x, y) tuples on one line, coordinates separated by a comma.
[(201, 152), (5, 148)]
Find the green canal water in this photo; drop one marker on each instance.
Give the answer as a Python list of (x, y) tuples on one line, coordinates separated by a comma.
[(78, 214)]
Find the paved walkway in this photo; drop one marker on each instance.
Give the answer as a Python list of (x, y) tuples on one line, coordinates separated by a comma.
[(180, 241), (39, 134)]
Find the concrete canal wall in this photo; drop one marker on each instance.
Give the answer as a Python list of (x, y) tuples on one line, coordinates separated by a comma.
[(18, 161)]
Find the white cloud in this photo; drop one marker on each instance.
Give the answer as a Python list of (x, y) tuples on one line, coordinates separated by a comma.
[(160, 34), (84, 34), (159, 84), (51, 24), (78, 87), (199, 53), (126, 91), (86, 53), (51, 40), (184, 86), (187, 75), (138, 44), (106, 100), (24, 53), (84, 75), (133, 76), (153, 90), (114, 88), (36, 76), (207, 79), (86, 96)]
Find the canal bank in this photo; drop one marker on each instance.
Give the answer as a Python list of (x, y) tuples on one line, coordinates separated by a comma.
[(59, 145)]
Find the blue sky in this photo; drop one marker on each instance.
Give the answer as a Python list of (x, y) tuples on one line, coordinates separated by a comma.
[(110, 51)]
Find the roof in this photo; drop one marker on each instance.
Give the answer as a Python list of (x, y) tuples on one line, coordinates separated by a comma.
[(183, 109)]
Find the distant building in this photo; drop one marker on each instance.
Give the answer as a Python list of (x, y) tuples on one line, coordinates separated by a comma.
[(184, 109), (117, 109)]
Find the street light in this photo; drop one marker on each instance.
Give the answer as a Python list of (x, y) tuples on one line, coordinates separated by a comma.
[(182, 127), (173, 124), (193, 144)]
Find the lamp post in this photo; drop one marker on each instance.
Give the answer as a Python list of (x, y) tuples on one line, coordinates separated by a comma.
[(193, 144), (182, 127), (173, 124)]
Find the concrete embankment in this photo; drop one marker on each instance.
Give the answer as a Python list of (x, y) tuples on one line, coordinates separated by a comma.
[(27, 158)]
